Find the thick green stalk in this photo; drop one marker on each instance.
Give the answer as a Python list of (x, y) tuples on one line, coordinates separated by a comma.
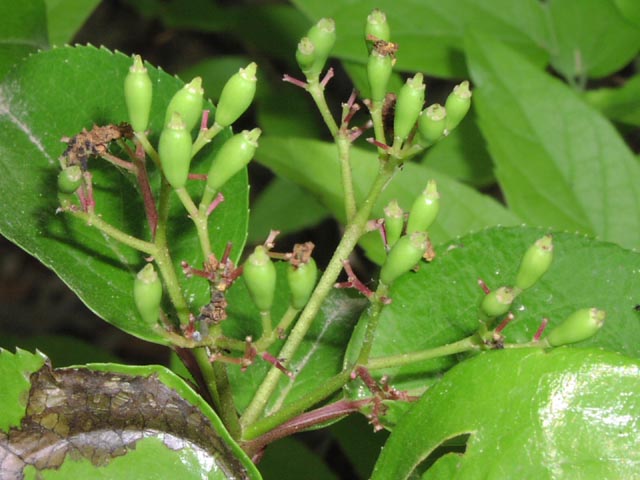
[(351, 236), (464, 345), (327, 388), (372, 324), (316, 90), (344, 148)]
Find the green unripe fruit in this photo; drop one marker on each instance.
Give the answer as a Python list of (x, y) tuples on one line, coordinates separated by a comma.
[(70, 179), (535, 262), (174, 149), (302, 280), (457, 105), (147, 294), (306, 55), (236, 95), (377, 28), (323, 37), (188, 103), (379, 68), (408, 106), (404, 255), (424, 210), (578, 326), (498, 302), (232, 157), (260, 277), (431, 124), (393, 222), (138, 91)]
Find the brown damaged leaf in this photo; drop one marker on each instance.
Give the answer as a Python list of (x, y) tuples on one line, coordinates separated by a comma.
[(80, 413)]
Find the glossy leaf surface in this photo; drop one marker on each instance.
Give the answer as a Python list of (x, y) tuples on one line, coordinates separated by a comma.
[(569, 413)]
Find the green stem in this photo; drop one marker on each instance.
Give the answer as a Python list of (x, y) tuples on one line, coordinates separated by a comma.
[(172, 284), (96, 221), (227, 410), (209, 376), (351, 236), (199, 220), (257, 428), (204, 137), (267, 328), (378, 124), (316, 90), (266, 341), (372, 324), (344, 148), (464, 345), (148, 148)]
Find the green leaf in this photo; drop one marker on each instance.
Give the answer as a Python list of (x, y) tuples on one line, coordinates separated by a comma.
[(289, 458), (65, 17), (316, 169), (441, 300), (559, 162), (318, 358), (24, 30), (58, 93), (430, 32), (15, 370), (565, 414), (205, 15), (621, 104), (630, 9), (463, 155), (100, 419), (283, 206), (578, 28)]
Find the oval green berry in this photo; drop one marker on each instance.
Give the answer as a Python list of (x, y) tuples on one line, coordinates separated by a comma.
[(379, 68), (236, 95), (404, 255), (393, 222), (147, 294), (323, 37), (174, 149), (188, 103), (70, 179), (424, 209), (377, 28), (431, 124), (408, 106), (578, 326), (535, 262), (498, 302), (259, 275), (232, 157), (302, 280), (306, 55), (457, 105), (138, 91)]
